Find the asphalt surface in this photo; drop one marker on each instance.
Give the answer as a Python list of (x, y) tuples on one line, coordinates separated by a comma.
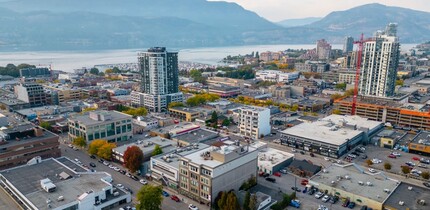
[(118, 178)]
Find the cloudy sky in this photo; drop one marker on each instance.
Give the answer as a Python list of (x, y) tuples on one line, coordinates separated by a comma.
[(276, 10)]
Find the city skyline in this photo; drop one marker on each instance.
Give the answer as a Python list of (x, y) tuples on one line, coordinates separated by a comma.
[(278, 10)]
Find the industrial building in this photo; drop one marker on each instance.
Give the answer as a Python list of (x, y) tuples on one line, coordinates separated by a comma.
[(420, 144), (354, 183), (53, 184), (331, 136), (110, 125), (272, 160), (205, 173)]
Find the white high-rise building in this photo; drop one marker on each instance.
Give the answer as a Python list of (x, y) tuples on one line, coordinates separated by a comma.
[(379, 63), (254, 121)]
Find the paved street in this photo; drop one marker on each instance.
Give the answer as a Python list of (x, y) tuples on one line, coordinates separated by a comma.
[(118, 178)]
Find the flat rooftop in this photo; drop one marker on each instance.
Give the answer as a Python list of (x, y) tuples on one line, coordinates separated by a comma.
[(270, 157), (180, 152), (146, 145), (185, 109), (23, 128), (409, 197), (336, 177), (422, 137), (86, 120), (177, 129), (196, 136), (70, 188)]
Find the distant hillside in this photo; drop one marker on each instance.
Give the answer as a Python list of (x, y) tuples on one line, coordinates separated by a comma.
[(297, 22), (113, 24)]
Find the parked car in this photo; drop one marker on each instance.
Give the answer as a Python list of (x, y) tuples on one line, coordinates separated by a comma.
[(278, 174), (371, 170), (295, 203), (92, 164), (295, 189), (175, 198), (427, 184), (364, 156), (119, 186), (355, 153), (415, 158), (284, 171), (351, 205), (345, 203), (265, 175), (92, 156), (312, 154), (270, 179), (165, 194), (410, 164), (128, 190), (325, 198), (134, 178), (358, 151), (322, 207), (101, 160), (143, 182), (319, 195), (392, 156), (422, 166), (334, 199), (302, 152), (312, 191), (396, 154), (326, 158), (192, 207)]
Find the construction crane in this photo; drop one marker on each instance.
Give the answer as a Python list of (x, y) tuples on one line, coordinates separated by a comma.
[(357, 72)]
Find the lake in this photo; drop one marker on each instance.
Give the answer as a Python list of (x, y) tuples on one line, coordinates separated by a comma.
[(69, 60)]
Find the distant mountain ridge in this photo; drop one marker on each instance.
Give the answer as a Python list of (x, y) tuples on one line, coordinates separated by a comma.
[(298, 22), (113, 24)]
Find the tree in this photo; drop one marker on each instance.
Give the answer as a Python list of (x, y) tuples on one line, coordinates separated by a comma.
[(425, 175), (253, 202), (222, 202), (141, 111), (341, 86), (95, 145), (231, 202), (157, 150), (46, 125), (94, 71), (2, 107), (149, 197), (349, 92), (175, 104), (108, 71), (79, 141), (214, 117), (105, 151), (89, 109), (387, 166), (400, 82), (246, 201), (369, 162), (336, 96), (405, 169), (226, 122), (295, 107), (116, 70), (133, 158)]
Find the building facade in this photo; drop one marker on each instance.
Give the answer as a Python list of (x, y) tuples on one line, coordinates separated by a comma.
[(276, 76), (323, 49), (31, 93), (379, 64), (34, 72), (348, 44), (254, 122), (110, 125)]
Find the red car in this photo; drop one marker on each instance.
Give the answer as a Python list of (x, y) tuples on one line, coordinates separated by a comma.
[(416, 158), (278, 174), (175, 198), (392, 156)]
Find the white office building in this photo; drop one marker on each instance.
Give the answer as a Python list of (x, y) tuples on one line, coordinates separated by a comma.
[(254, 121), (276, 76), (379, 63)]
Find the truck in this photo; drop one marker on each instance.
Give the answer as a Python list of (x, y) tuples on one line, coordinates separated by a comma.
[(295, 203)]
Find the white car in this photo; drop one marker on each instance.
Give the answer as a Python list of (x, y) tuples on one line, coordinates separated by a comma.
[(416, 171), (322, 207), (371, 170), (396, 154), (111, 166), (120, 186), (70, 145), (116, 168), (376, 161), (325, 198), (326, 158), (319, 195), (192, 207), (143, 182)]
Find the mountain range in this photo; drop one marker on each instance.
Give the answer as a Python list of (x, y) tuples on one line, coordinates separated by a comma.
[(113, 24), (298, 22)]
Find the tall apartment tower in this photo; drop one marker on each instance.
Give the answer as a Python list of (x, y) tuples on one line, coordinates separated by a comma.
[(379, 63), (323, 49), (160, 79), (348, 45)]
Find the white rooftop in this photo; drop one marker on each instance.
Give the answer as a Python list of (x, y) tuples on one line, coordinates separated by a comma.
[(270, 157)]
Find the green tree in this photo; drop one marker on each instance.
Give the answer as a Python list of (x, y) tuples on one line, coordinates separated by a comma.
[(231, 203), (141, 111), (223, 201), (425, 175), (214, 117), (94, 71), (149, 197), (253, 202), (157, 150), (405, 169), (175, 104), (105, 151), (46, 125), (341, 86), (79, 141), (226, 122), (246, 201), (95, 145), (133, 158), (387, 166), (116, 70)]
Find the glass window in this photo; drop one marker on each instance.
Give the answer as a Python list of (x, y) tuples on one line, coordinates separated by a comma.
[(90, 137), (96, 135), (118, 130), (128, 127), (124, 128), (102, 134), (110, 129)]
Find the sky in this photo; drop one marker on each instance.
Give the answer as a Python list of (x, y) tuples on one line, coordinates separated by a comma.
[(277, 10)]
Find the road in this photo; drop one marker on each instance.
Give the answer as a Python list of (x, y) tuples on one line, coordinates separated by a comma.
[(118, 178)]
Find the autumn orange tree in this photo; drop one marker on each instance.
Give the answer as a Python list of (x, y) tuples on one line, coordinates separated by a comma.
[(101, 148), (133, 158)]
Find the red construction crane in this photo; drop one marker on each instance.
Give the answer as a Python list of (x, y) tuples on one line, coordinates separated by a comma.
[(357, 72)]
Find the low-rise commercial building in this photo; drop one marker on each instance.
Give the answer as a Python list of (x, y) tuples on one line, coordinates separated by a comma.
[(65, 93), (205, 173), (254, 121), (31, 93), (194, 136), (110, 125), (331, 136), (224, 91), (184, 113), (272, 160), (147, 146), (352, 182), (53, 184), (420, 144), (21, 143), (276, 76)]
